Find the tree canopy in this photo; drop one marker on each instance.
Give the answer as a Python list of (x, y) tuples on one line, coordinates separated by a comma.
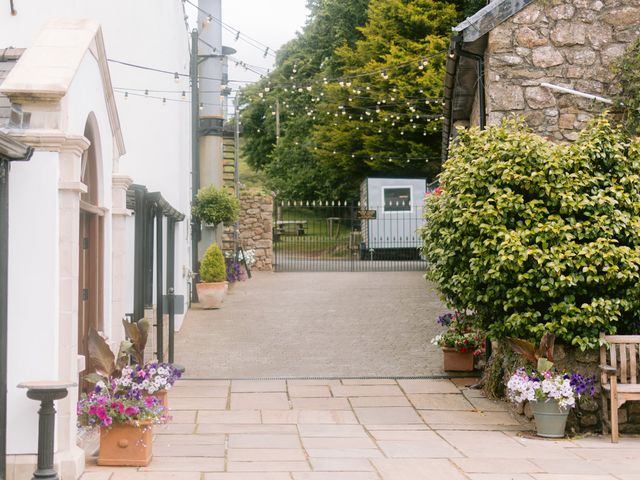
[(357, 94)]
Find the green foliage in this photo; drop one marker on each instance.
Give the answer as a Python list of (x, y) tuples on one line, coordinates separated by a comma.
[(628, 70), (535, 237), (346, 39), (403, 117), (214, 206), (291, 168), (212, 266)]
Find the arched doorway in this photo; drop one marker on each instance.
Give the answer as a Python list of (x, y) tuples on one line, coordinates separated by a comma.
[(90, 265)]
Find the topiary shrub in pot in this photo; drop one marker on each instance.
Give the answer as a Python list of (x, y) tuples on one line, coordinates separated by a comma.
[(213, 206), (213, 273)]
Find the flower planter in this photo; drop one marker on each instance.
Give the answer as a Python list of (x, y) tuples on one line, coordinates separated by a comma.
[(162, 395), (455, 361), (550, 418), (211, 295), (125, 445)]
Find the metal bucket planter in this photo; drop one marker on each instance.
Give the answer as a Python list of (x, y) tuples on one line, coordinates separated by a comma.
[(125, 445), (455, 361), (551, 420)]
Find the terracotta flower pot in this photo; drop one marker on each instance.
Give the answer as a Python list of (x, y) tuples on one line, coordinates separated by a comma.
[(125, 445), (211, 295), (163, 397), (455, 361)]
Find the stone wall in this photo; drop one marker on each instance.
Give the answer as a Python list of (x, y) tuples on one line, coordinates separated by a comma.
[(587, 416), (255, 228), (571, 43)]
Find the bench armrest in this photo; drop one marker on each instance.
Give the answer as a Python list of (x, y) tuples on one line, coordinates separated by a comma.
[(608, 369)]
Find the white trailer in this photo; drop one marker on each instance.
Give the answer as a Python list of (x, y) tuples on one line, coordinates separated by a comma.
[(391, 214)]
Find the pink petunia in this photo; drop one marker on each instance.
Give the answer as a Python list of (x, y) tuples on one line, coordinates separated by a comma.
[(101, 412), (131, 411), (107, 421)]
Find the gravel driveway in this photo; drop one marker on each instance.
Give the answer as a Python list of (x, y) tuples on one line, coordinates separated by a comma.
[(374, 324)]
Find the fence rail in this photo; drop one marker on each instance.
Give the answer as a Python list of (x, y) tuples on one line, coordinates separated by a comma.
[(343, 237)]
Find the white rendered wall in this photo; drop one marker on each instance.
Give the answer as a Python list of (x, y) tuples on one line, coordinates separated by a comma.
[(86, 97), (33, 291), (156, 135)]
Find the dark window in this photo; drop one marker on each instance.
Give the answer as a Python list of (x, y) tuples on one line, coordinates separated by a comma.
[(397, 199)]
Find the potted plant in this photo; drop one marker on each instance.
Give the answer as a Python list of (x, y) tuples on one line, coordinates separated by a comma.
[(213, 206), (460, 343), (125, 424), (213, 273), (552, 393), (123, 415), (150, 379)]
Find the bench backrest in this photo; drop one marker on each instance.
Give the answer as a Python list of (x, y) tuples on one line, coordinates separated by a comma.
[(623, 351)]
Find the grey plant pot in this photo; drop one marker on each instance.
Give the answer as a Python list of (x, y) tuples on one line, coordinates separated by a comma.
[(551, 420)]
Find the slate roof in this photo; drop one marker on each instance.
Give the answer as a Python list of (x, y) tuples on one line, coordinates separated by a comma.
[(461, 77), (8, 59)]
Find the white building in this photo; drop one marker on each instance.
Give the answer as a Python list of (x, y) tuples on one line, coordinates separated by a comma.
[(97, 130)]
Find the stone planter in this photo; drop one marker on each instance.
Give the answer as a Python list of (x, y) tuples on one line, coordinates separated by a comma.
[(211, 295), (455, 361), (125, 445), (551, 420)]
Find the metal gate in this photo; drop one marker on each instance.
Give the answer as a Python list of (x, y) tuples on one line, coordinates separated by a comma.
[(341, 237)]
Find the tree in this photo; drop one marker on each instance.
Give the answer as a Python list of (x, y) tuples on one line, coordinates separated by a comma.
[(291, 167), (390, 109), (364, 80), (536, 237)]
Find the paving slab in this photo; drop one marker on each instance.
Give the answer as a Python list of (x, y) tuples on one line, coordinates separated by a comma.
[(387, 415), (380, 435), (341, 464)]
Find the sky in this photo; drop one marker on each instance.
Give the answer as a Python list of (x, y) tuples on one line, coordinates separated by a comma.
[(269, 22)]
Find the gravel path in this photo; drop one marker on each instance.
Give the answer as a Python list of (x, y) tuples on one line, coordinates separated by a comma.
[(318, 325)]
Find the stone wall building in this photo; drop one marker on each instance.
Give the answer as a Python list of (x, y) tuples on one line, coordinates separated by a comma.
[(517, 45)]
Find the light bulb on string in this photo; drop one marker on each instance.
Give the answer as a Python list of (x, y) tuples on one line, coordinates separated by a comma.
[(126, 95), (176, 77), (201, 105), (184, 94), (146, 92), (164, 101)]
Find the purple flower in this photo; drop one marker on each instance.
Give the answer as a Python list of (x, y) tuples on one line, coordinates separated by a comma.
[(583, 385), (445, 319)]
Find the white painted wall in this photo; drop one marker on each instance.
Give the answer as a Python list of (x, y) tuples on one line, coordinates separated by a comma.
[(33, 290), (86, 97), (156, 135)]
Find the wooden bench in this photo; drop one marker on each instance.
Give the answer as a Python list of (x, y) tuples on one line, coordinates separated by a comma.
[(619, 376)]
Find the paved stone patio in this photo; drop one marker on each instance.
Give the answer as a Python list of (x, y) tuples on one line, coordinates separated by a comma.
[(360, 430), (316, 324)]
